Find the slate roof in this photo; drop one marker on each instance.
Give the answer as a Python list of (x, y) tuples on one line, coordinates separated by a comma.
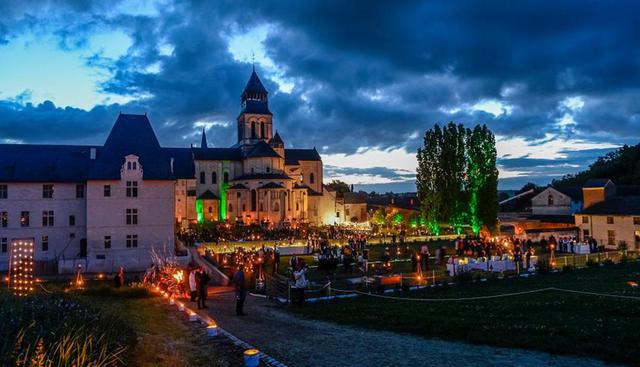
[(301, 155), (262, 149), (574, 192), (596, 182), (263, 176), (44, 163), (616, 205), (131, 134), (271, 185), (217, 154), (183, 166), (238, 186), (355, 198), (257, 107), (208, 195), (276, 141), (254, 84)]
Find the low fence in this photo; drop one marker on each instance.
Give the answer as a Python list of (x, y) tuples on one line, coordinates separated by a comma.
[(581, 260)]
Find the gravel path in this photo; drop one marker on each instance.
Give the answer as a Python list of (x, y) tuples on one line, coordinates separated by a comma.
[(300, 343)]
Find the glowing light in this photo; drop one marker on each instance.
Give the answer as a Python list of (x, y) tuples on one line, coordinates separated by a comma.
[(21, 268)]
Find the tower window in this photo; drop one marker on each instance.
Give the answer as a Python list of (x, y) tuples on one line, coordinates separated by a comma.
[(226, 177), (214, 178), (262, 132), (311, 178), (202, 179)]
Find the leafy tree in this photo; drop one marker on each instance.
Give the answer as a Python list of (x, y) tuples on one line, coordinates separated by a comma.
[(429, 178), (379, 217), (340, 187)]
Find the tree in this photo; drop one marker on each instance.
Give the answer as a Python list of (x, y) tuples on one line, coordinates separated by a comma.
[(340, 187), (457, 177), (379, 217)]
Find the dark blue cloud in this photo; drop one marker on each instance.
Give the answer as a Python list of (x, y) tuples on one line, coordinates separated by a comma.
[(366, 73)]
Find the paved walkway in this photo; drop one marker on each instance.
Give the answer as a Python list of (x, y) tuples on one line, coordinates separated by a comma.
[(300, 342)]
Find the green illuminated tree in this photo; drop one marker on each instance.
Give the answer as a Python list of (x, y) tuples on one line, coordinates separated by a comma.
[(482, 177), (429, 178)]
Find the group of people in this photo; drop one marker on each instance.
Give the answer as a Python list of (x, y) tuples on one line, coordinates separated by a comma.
[(198, 285)]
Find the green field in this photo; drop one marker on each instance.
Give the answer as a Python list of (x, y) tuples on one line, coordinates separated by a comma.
[(554, 322)]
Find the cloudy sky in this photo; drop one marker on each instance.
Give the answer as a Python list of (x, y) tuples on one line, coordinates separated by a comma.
[(558, 82)]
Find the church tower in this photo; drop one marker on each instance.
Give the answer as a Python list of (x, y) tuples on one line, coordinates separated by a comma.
[(255, 122)]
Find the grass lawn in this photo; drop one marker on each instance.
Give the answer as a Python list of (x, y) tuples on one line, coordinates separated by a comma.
[(164, 336), (554, 322)]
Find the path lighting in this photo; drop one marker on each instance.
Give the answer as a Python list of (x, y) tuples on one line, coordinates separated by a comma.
[(251, 358)]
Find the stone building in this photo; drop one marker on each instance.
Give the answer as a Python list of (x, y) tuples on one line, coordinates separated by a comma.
[(107, 206)]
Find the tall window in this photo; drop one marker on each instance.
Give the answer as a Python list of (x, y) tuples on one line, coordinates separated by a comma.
[(262, 132), (585, 219), (3, 243), (132, 216), (107, 242), (47, 218), (202, 179), (312, 178), (609, 220), (45, 243), (611, 238), (550, 200), (225, 177), (132, 166), (132, 189), (72, 220), (214, 178), (106, 191), (47, 191), (254, 199), (80, 191), (253, 130), (4, 219), (24, 219), (4, 192), (132, 240)]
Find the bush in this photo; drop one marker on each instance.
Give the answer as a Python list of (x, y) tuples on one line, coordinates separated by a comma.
[(608, 262), (60, 330), (592, 263), (567, 268)]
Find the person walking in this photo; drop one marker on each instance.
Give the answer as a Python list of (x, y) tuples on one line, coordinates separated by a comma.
[(202, 282), (240, 291), (193, 287)]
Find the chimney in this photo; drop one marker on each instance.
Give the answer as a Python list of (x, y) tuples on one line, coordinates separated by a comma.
[(172, 160), (92, 153)]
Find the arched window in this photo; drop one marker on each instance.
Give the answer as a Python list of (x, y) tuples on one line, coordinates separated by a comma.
[(202, 180), (253, 129), (262, 132), (254, 199), (276, 207), (550, 200), (230, 207), (210, 210), (311, 178), (214, 178), (226, 177)]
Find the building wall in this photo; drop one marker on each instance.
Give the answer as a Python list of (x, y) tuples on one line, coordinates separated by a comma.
[(357, 211), (623, 226), (64, 239), (561, 203), (307, 169), (106, 216)]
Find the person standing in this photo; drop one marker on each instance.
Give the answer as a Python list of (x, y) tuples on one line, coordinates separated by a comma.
[(192, 284), (240, 291), (202, 282), (300, 282)]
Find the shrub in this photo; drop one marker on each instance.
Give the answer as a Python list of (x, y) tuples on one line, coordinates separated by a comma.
[(567, 268), (608, 262), (592, 263)]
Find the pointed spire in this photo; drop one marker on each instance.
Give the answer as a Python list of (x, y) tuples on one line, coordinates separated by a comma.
[(203, 142), (276, 141)]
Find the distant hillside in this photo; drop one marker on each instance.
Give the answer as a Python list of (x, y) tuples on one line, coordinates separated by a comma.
[(622, 166)]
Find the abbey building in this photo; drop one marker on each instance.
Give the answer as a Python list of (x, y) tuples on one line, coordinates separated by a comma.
[(107, 206)]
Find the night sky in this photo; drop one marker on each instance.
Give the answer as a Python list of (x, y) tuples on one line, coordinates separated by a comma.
[(558, 82)]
